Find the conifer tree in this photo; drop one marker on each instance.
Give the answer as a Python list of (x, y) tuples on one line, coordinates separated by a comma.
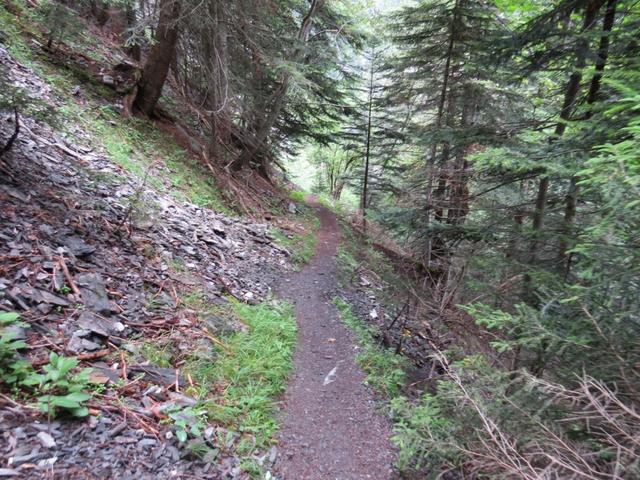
[(156, 68)]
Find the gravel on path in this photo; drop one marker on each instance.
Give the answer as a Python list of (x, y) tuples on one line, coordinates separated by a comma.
[(330, 426)]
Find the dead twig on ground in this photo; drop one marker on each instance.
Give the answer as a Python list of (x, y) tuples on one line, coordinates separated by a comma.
[(123, 367), (68, 277), (217, 342)]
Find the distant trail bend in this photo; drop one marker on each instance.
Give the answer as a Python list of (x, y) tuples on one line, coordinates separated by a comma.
[(330, 427)]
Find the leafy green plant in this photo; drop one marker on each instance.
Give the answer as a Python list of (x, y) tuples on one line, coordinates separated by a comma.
[(188, 421), (60, 388), (298, 196), (12, 369)]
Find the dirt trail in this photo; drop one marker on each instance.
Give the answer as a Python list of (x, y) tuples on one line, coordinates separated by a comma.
[(330, 428)]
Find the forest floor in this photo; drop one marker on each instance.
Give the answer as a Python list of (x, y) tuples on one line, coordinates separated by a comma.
[(330, 426)]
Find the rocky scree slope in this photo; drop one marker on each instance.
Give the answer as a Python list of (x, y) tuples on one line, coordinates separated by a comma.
[(93, 259)]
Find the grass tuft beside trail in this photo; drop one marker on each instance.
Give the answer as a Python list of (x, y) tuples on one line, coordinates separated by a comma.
[(249, 370), (302, 243), (385, 370)]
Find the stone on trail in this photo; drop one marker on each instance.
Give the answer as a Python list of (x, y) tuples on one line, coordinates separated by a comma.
[(331, 377)]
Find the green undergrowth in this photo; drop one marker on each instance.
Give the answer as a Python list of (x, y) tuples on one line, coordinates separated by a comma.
[(385, 370), (302, 246), (135, 144), (257, 370), (58, 387), (240, 379), (140, 148), (386, 374), (356, 253), (336, 206), (298, 196), (237, 369)]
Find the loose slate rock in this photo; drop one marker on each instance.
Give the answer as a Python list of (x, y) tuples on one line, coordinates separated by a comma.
[(104, 370), (78, 246), (99, 325), (8, 472), (37, 295), (46, 440), (94, 293), (79, 344), (159, 375)]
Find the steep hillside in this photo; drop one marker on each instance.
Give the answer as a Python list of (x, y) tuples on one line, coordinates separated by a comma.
[(118, 250)]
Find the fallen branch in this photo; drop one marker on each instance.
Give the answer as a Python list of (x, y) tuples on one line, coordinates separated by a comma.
[(16, 404), (125, 412), (217, 342), (69, 278), (93, 355)]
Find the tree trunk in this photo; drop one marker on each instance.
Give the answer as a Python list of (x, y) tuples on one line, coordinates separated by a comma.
[(434, 148), (220, 121), (100, 12), (337, 193), (571, 198), (157, 65), (459, 200), (568, 106), (132, 46), (603, 52), (367, 152)]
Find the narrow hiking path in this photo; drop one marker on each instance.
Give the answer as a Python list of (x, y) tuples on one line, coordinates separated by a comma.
[(330, 427)]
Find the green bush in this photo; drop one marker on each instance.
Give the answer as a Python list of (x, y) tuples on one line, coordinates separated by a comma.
[(12, 368), (59, 388)]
